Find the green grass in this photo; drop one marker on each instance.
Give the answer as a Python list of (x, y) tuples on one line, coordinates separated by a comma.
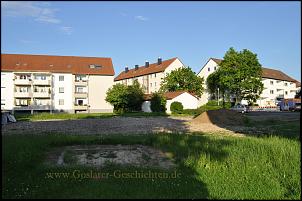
[(289, 129), (67, 116), (214, 167)]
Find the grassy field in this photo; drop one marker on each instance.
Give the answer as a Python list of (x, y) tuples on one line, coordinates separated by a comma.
[(208, 166), (67, 116)]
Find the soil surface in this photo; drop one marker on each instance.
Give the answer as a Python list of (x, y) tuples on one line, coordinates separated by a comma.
[(224, 121), (102, 155)]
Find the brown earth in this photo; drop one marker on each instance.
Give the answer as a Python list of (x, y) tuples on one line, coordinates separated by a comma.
[(221, 118)]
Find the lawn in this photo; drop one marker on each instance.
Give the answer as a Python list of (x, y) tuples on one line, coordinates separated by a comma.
[(67, 116), (208, 166)]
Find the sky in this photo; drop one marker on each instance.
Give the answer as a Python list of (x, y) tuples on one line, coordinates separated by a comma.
[(133, 32)]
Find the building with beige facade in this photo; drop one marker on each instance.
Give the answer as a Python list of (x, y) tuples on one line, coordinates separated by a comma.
[(55, 83), (150, 75), (277, 85)]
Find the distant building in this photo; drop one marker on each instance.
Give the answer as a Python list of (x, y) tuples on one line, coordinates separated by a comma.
[(188, 100), (277, 85), (55, 83), (150, 75)]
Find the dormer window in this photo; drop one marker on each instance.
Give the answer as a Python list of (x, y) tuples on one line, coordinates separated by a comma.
[(94, 66)]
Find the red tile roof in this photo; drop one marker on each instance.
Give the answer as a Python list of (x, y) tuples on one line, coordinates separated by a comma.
[(58, 64), (270, 73), (168, 95), (142, 70)]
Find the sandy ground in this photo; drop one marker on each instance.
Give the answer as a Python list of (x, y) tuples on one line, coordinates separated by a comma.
[(135, 125)]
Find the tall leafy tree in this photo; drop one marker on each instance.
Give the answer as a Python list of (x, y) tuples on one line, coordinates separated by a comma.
[(183, 79), (241, 75)]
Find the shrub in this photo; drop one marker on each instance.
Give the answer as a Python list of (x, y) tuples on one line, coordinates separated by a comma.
[(176, 107), (125, 98), (158, 102)]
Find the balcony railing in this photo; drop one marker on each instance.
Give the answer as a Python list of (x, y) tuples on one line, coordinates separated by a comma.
[(80, 107), (23, 94), (42, 82), (80, 82), (33, 107), (23, 81), (80, 94), (41, 94)]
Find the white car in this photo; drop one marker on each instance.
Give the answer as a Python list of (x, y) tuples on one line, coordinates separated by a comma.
[(240, 108)]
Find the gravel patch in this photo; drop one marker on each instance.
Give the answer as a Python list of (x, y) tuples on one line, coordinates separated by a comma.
[(114, 125)]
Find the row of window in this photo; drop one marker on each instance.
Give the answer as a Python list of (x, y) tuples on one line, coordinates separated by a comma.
[(61, 77), (272, 83), (272, 92), (209, 69), (154, 84)]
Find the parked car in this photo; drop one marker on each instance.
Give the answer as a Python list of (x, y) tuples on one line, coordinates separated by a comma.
[(240, 108)]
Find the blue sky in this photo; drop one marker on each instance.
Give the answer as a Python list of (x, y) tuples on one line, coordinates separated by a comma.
[(132, 32)]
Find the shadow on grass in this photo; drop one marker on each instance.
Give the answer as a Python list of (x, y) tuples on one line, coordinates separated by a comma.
[(259, 124), (27, 154)]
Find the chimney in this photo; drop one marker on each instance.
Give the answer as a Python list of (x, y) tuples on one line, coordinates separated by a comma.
[(136, 67), (159, 61), (126, 69), (147, 64)]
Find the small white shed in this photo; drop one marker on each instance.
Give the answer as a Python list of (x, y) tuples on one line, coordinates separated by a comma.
[(188, 100)]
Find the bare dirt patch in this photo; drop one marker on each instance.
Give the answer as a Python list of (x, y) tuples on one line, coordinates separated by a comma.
[(102, 155)]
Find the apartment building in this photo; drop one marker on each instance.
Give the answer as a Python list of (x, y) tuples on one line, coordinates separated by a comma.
[(277, 85), (55, 83), (149, 75)]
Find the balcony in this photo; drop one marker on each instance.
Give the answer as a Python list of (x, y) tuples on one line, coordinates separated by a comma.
[(42, 82), (23, 94), (81, 82), (80, 107), (80, 94), (41, 95), (33, 107), (23, 82)]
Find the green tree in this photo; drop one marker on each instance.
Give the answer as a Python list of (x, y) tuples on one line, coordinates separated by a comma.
[(241, 75), (183, 79), (117, 96), (158, 102), (214, 84), (125, 98), (135, 96)]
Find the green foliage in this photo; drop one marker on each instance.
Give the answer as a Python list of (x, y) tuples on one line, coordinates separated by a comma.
[(135, 97), (158, 102), (125, 98), (183, 79), (176, 107), (242, 74), (239, 74)]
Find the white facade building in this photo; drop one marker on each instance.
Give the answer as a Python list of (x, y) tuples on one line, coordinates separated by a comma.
[(149, 75), (188, 100), (277, 85), (55, 83)]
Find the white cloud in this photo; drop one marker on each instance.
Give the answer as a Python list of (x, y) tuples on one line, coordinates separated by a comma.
[(30, 9), (142, 18), (67, 30)]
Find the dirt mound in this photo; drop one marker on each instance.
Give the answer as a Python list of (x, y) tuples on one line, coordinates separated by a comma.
[(220, 117)]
